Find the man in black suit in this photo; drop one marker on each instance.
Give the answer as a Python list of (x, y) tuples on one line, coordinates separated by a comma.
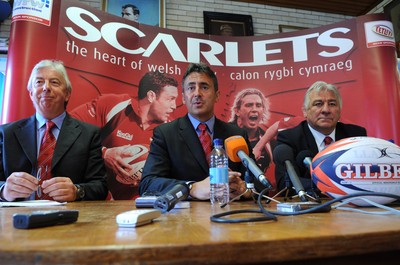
[(176, 154), (77, 170), (321, 108)]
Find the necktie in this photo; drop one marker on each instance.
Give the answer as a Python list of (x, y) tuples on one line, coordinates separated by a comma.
[(205, 139), (327, 141), (44, 159)]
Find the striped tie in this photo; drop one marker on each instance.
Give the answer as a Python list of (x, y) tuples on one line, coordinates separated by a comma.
[(44, 159), (205, 140)]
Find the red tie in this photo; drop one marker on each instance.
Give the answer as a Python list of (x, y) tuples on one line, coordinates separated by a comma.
[(205, 139), (44, 160), (327, 141)]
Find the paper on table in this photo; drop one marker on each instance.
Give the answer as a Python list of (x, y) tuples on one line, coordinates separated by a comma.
[(33, 203)]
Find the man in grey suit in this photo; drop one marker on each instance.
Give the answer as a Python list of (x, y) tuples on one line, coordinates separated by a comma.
[(77, 168), (176, 154), (321, 108)]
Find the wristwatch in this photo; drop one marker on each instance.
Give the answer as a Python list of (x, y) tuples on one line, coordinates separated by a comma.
[(80, 192), (189, 184)]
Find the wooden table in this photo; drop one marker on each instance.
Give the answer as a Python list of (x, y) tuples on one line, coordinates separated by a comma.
[(187, 236)]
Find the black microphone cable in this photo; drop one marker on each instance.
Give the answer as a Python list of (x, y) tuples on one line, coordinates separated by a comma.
[(265, 215), (222, 217), (323, 207), (272, 215)]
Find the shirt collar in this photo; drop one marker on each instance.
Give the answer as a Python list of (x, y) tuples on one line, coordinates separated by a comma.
[(41, 121), (210, 123), (319, 137)]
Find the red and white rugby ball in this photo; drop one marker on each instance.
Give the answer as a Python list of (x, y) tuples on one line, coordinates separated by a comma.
[(136, 160), (358, 164)]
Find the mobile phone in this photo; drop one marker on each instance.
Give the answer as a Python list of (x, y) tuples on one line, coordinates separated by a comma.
[(36, 219)]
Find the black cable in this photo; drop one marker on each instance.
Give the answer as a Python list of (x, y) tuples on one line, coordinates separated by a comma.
[(272, 216), (219, 218), (322, 207)]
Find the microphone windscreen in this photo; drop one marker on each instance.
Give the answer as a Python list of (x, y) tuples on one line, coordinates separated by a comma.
[(233, 145), (282, 153), (302, 155)]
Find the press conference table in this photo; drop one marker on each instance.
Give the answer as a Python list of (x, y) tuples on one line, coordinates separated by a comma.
[(187, 236)]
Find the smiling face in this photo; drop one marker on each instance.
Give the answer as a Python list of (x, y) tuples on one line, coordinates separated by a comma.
[(250, 113), (199, 95), (323, 111), (48, 92)]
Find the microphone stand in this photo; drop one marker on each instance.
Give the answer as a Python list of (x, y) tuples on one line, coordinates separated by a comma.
[(249, 187), (287, 188)]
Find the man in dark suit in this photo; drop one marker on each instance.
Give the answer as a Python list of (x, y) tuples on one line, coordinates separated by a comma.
[(176, 154), (321, 108), (76, 170)]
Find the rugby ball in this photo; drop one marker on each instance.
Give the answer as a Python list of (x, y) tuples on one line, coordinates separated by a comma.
[(137, 159), (358, 164)]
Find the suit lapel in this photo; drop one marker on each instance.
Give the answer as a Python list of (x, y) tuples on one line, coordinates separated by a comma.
[(219, 130), (26, 136), (192, 142), (312, 146), (68, 134), (339, 133)]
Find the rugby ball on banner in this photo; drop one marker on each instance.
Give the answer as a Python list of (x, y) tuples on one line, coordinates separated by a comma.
[(358, 164), (137, 159)]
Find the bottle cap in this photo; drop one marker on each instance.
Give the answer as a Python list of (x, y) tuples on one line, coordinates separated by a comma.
[(217, 141)]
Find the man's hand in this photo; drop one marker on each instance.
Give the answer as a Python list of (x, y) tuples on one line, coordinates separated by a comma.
[(237, 186), (61, 189), (19, 185), (201, 189), (114, 159)]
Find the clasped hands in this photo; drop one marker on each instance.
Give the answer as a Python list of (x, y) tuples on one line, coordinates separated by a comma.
[(22, 185)]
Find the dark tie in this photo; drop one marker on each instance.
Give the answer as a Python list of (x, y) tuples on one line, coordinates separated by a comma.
[(327, 141), (45, 157), (205, 139)]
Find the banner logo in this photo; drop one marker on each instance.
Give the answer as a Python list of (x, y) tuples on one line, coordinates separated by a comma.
[(38, 11), (379, 33)]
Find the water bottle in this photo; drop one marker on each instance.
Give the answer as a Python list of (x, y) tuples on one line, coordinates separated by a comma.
[(219, 184)]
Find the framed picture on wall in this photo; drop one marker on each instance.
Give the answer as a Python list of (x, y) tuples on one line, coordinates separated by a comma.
[(150, 12), (225, 24), (392, 10)]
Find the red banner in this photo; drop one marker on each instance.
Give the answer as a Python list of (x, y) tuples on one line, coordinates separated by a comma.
[(106, 54)]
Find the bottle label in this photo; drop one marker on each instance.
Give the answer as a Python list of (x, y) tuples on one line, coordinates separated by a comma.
[(218, 175)]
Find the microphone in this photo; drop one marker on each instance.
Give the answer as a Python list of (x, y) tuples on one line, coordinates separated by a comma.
[(237, 150), (167, 201), (304, 159), (283, 154)]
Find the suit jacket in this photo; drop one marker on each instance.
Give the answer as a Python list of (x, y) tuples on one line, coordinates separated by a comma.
[(176, 155), (300, 138), (77, 154)]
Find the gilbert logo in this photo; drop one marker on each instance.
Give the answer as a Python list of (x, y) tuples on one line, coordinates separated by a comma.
[(126, 136), (379, 33)]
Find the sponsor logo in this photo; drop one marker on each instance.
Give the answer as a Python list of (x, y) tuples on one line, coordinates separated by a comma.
[(383, 30), (38, 11), (126, 136), (379, 33)]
